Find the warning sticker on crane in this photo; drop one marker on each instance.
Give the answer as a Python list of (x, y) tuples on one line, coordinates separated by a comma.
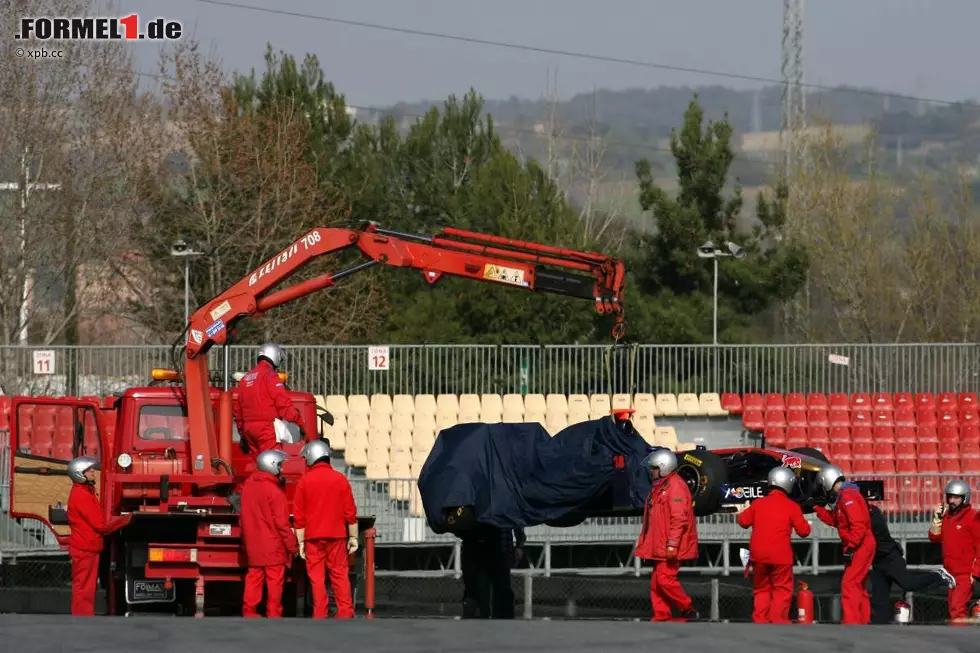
[(513, 276), (220, 310), (215, 328)]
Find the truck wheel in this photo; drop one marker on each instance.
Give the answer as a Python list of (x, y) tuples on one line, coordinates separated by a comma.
[(812, 453), (705, 473)]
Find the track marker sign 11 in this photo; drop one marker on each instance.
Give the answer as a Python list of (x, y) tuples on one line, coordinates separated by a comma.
[(101, 28), (43, 361)]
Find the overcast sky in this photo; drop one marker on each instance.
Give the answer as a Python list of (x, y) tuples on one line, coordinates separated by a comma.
[(917, 47)]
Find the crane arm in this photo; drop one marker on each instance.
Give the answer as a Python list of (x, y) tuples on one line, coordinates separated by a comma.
[(454, 252)]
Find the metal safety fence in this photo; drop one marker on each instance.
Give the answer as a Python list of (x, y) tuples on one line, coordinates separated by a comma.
[(568, 369)]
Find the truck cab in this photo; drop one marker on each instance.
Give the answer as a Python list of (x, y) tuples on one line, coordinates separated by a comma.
[(182, 535)]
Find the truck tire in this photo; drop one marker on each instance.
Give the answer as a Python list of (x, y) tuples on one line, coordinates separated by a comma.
[(705, 473), (812, 453)]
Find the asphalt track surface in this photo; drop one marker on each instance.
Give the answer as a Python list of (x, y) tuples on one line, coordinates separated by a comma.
[(38, 633)]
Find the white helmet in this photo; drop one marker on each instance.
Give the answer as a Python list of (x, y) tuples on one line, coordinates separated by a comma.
[(664, 460), (828, 476), (315, 451), (272, 353), (958, 488), (271, 461), (783, 478), (78, 466)]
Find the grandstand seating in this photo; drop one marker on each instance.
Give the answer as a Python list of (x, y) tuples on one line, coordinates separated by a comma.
[(389, 437)]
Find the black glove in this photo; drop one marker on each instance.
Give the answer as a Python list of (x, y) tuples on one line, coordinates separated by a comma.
[(848, 555), (243, 445)]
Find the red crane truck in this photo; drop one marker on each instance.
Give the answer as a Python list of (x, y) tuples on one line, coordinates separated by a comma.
[(167, 450)]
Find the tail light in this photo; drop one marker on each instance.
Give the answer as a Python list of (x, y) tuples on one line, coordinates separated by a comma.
[(160, 554)]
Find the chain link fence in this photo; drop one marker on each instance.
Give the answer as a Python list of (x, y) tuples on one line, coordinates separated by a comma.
[(44, 586)]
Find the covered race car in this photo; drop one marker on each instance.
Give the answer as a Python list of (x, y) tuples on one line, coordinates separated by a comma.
[(517, 475)]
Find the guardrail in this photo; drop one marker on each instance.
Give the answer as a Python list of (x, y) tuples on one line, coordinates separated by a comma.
[(588, 369)]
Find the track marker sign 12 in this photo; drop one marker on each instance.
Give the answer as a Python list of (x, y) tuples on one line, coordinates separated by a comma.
[(379, 359)]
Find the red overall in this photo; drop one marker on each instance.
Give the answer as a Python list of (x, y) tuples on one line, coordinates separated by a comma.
[(668, 521), (270, 543), (960, 537), (773, 519), (88, 528), (262, 397), (853, 523), (324, 506)]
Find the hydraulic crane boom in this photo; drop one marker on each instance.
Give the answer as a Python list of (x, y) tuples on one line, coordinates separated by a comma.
[(455, 252)]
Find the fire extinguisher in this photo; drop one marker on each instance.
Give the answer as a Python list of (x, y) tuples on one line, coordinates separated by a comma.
[(975, 612), (804, 605)]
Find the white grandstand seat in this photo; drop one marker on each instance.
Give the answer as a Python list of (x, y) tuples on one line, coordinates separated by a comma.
[(419, 454), (415, 508), (622, 402), (666, 436), (684, 446), (417, 467), (424, 422), (380, 421), (337, 433), (401, 455), (513, 404), (359, 404), (491, 404), (556, 404), (356, 454), (321, 402), (377, 469), (688, 404), (644, 403), (447, 404), (600, 404), (536, 418), (469, 415), (337, 405), (555, 422), (535, 403), (446, 420), (358, 422), (381, 404), (379, 437), (512, 416), (401, 438), (402, 421), (425, 404), (403, 405), (423, 439), (577, 418), (577, 403), (645, 425), (378, 450), (400, 489), (711, 404), (667, 405), (469, 404)]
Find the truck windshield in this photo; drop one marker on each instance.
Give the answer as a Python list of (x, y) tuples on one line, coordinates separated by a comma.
[(163, 423)]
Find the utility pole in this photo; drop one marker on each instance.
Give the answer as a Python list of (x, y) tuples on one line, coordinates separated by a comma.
[(793, 97)]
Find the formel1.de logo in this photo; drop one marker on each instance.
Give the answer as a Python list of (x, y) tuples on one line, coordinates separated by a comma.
[(128, 28)]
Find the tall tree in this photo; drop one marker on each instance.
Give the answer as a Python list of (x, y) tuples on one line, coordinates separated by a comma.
[(676, 285)]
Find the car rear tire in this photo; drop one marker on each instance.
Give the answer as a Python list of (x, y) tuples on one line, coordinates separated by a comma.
[(705, 473), (812, 453)]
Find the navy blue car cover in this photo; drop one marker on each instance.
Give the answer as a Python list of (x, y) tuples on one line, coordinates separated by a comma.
[(517, 475)]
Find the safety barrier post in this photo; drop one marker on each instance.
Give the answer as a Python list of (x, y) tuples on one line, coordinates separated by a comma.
[(369, 536), (528, 598), (715, 600)]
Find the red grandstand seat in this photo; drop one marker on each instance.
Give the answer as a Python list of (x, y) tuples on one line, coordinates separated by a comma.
[(860, 400), (753, 420), (971, 465), (796, 417), (928, 465), (905, 434), (949, 433), (817, 417), (775, 417), (752, 400), (862, 450), (909, 491), (903, 400), (775, 436), (62, 452), (883, 417), (884, 434), (64, 418), (969, 415), (931, 491), (889, 502), (839, 400), (731, 402), (64, 435), (774, 401), (840, 434), (884, 450), (818, 437), (884, 465), (839, 417), (949, 448), (4, 420), (864, 466), (44, 415), (904, 450), (906, 466), (950, 465), (946, 400), (796, 437), (882, 401), (970, 433), (925, 401), (926, 417), (927, 434), (860, 417), (816, 400), (91, 443), (862, 434), (969, 449), (795, 400), (928, 450), (968, 399), (905, 416), (846, 465), (840, 451), (948, 416)]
